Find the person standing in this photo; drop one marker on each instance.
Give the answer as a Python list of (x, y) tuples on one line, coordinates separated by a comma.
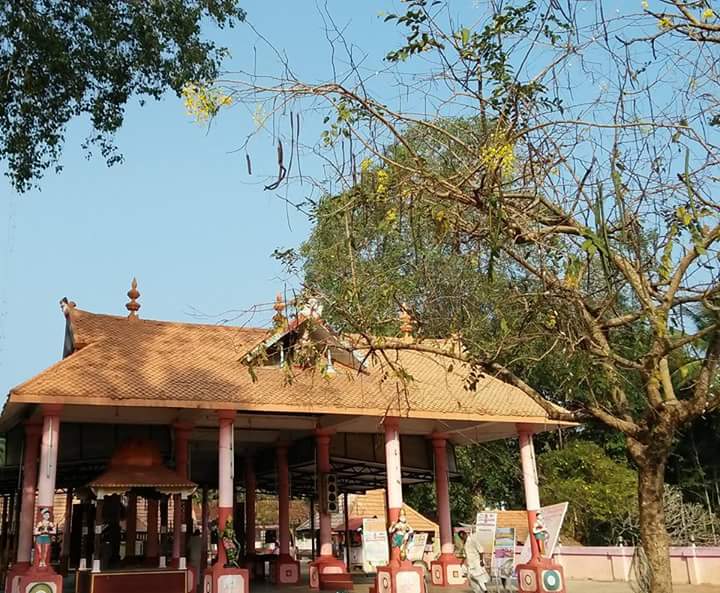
[(477, 575)]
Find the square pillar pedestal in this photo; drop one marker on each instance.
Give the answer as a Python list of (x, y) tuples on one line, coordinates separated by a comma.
[(192, 579), (285, 571), (12, 579), (329, 574), (447, 571), (40, 580), (540, 575), (405, 578), (221, 579)]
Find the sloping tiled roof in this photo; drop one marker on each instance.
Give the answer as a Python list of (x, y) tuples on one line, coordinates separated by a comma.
[(372, 504), (138, 362)]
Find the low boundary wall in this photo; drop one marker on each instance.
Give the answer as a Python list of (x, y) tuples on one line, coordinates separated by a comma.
[(690, 565)]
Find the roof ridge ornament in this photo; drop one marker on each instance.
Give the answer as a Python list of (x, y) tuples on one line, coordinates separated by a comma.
[(407, 323), (133, 294), (280, 321), (67, 306)]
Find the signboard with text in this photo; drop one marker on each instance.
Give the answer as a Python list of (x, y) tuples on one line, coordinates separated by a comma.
[(374, 544), (553, 517)]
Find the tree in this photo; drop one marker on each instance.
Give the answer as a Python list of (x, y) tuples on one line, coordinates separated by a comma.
[(591, 192), (63, 59), (600, 491)]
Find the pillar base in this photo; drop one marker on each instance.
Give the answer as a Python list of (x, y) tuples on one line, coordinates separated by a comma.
[(226, 580), (255, 569), (447, 571), (285, 570), (331, 572), (40, 579), (540, 575), (193, 574), (404, 578), (12, 579)]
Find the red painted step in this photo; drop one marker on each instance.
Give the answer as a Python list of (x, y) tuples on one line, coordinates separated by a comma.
[(336, 582)]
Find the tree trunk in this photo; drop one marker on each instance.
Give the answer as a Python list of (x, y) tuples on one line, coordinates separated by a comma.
[(654, 535)]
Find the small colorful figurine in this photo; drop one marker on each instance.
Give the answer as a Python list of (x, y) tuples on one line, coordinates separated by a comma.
[(44, 530), (230, 544), (400, 534), (540, 533)]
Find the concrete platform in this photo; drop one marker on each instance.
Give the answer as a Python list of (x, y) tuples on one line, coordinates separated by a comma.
[(573, 587), (362, 585)]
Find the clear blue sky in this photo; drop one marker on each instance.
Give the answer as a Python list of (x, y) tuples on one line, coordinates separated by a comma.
[(181, 213)]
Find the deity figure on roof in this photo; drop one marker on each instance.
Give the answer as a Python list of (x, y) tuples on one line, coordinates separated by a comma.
[(44, 530)]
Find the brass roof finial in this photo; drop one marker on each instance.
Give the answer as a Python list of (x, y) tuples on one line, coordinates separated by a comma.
[(133, 306), (279, 319), (407, 323)]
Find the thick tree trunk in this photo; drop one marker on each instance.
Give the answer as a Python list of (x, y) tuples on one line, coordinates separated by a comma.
[(654, 535)]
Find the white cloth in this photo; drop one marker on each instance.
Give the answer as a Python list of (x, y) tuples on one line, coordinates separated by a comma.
[(477, 575)]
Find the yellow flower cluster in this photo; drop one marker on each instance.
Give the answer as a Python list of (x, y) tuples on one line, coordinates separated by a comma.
[(665, 23), (381, 186), (498, 155), (202, 102)]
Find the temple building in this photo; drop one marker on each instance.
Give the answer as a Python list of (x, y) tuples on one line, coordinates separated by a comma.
[(151, 413)]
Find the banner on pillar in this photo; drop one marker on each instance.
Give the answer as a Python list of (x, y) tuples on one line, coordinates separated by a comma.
[(504, 558), (553, 517), (374, 544)]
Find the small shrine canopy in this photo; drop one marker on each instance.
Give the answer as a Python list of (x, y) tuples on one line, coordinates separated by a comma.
[(160, 367), (137, 465)]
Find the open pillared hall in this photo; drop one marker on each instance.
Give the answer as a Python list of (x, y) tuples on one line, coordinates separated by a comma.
[(160, 412)]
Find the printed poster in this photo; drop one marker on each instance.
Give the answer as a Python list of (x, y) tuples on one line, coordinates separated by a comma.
[(416, 549), (553, 517), (374, 544), (504, 558), (485, 527)]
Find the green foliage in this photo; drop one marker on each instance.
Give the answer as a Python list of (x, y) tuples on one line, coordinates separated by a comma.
[(60, 59), (600, 491), (379, 246), (489, 476)]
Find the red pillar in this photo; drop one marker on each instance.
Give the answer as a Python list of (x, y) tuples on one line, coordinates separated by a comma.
[(447, 569), (204, 538), (162, 559), (182, 438), (99, 525), (326, 563), (322, 443), (152, 546), (234, 580), (283, 481), (41, 573), (65, 549), (250, 488), (131, 526), (540, 573), (400, 574), (29, 485), (31, 448), (287, 570)]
